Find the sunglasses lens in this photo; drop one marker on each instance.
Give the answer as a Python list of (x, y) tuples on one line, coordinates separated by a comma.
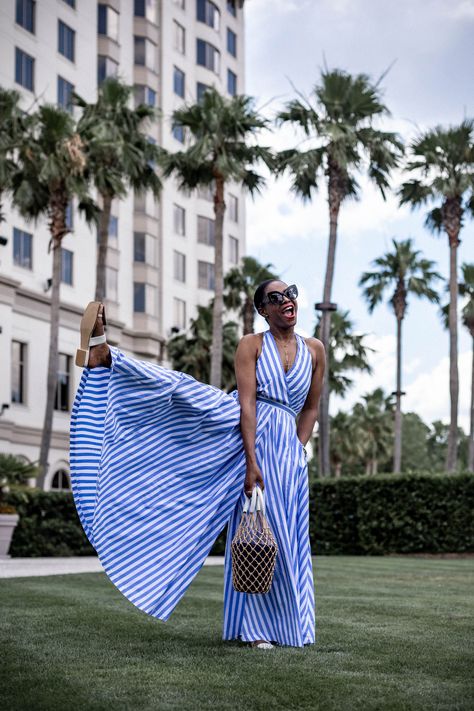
[(275, 297), (291, 292)]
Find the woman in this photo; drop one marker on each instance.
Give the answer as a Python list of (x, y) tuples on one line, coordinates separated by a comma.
[(159, 460)]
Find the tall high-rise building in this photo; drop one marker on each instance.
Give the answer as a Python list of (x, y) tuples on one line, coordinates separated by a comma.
[(161, 253)]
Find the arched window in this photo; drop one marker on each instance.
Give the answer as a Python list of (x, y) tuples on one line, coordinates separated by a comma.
[(60, 481)]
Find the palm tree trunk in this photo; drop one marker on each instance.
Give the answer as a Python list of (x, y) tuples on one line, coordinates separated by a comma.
[(104, 219), (216, 349), (248, 316), (451, 457), (323, 419), (470, 454), (53, 362), (397, 458)]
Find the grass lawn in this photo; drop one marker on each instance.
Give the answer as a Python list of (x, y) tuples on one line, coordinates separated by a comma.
[(392, 633)]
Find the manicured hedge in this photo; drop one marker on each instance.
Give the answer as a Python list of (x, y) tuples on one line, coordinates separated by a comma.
[(48, 525), (416, 513)]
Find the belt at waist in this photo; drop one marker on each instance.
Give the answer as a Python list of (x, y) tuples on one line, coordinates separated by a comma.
[(275, 403)]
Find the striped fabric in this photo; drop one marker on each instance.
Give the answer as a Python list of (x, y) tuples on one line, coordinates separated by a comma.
[(157, 470)]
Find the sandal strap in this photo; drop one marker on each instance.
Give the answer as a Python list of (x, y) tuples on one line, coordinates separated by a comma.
[(97, 340)]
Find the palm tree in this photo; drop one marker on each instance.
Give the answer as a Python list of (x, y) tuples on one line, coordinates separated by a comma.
[(222, 149), (466, 289), (347, 352), (240, 284), (347, 443), (191, 353), (120, 156), (403, 272), (12, 124), (339, 118), (50, 172), (373, 420), (443, 161)]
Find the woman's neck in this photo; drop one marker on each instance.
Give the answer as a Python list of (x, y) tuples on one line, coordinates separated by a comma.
[(283, 334)]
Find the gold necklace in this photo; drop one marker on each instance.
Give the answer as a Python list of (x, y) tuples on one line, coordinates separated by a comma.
[(286, 367)]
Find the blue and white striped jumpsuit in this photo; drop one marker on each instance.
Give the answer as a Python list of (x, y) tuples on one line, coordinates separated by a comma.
[(157, 469)]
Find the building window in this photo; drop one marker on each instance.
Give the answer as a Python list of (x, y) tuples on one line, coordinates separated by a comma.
[(179, 314), (179, 37), (143, 248), (19, 351), (233, 250), (233, 208), (178, 82), (69, 216), (206, 275), (180, 3), (111, 284), (201, 90), (25, 14), (60, 481), (207, 56), (139, 297), (179, 267), (231, 82), (66, 266), (231, 42), (206, 234), (66, 40), (108, 22), (113, 227), (145, 53), (206, 192), (24, 69), (22, 249), (144, 95), (63, 382), (179, 220), (65, 91), (71, 3), (232, 7), (146, 8), (106, 67), (178, 132), (139, 247), (208, 13), (144, 298)]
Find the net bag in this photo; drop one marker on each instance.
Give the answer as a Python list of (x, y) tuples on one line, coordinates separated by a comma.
[(253, 548)]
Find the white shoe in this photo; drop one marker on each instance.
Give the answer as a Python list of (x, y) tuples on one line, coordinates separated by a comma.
[(263, 645)]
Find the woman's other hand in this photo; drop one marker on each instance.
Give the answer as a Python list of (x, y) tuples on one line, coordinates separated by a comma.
[(253, 477)]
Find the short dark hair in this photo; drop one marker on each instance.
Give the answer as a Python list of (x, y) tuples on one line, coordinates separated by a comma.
[(260, 292)]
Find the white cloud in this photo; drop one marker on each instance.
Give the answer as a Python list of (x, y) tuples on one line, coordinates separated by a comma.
[(427, 394)]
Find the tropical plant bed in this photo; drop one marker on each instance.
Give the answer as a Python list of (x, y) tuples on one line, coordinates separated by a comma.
[(392, 634)]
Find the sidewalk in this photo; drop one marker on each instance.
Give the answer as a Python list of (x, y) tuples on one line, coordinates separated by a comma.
[(33, 567)]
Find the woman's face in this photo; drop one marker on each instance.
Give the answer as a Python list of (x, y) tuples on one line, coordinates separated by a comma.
[(281, 315)]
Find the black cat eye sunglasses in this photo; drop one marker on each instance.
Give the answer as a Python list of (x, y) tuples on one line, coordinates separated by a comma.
[(278, 297)]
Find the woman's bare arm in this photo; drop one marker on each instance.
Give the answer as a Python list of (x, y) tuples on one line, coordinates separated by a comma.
[(309, 413), (245, 372)]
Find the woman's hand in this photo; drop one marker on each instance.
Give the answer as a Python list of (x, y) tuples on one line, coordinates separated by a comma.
[(253, 477)]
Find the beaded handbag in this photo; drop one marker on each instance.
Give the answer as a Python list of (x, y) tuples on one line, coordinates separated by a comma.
[(254, 548)]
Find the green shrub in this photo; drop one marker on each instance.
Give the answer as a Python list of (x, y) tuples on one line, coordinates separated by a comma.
[(48, 525), (412, 513)]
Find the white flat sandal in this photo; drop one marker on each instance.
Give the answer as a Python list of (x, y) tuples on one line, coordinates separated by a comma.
[(88, 323), (263, 645)]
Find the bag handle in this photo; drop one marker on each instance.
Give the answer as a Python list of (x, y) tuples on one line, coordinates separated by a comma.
[(256, 502)]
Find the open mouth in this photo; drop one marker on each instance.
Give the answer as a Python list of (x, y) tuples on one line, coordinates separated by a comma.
[(289, 311)]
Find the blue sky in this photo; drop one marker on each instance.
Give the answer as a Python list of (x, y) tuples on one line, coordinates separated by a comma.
[(428, 47)]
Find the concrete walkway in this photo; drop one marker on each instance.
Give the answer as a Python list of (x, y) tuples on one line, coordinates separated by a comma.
[(33, 567)]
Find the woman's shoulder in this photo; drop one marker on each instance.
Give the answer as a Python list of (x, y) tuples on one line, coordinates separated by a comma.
[(251, 343)]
